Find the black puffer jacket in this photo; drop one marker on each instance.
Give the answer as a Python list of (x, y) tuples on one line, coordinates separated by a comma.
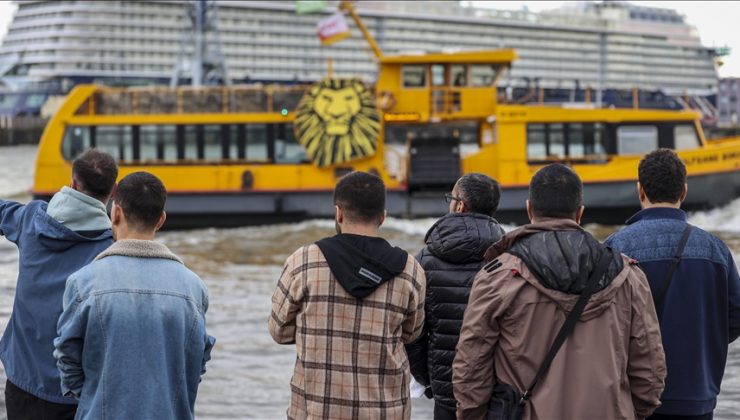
[(453, 256)]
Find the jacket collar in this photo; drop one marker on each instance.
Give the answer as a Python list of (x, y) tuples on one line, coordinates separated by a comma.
[(139, 249), (657, 213), (542, 225)]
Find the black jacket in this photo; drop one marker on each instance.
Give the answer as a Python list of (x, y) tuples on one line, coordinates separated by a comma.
[(453, 256)]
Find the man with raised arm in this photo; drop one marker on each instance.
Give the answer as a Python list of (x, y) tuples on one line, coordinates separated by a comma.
[(132, 337), (54, 240), (610, 365), (695, 287), (349, 303)]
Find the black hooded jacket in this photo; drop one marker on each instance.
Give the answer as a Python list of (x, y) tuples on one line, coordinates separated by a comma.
[(362, 263), (456, 245)]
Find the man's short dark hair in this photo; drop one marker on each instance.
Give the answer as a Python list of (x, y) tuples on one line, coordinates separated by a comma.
[(555, 191), (141, 195), (662, 175), (96, 173), (361, 196), (480, 193)]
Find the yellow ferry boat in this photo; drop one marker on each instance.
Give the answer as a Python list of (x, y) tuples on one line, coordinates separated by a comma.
[(249, 154)]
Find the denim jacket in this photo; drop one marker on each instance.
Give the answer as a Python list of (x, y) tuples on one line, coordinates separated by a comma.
[(49, 251), (132, 338)]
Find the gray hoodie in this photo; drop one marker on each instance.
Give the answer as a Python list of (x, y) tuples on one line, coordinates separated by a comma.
[(77, 211)]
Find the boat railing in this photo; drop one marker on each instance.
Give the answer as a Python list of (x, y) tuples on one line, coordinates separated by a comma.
[(190, 100)]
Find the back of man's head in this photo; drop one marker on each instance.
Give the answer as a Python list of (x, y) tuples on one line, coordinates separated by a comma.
[(555, 191), (662, 176), (480, 193), (141, 197), (361, 197), (95, 173)]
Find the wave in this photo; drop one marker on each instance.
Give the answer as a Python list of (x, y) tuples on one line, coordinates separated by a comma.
[(722, 219)]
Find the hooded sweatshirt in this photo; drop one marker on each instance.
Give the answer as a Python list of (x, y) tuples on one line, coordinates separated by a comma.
[(455, 246), (349, 303), (611, 366), (49, 251)]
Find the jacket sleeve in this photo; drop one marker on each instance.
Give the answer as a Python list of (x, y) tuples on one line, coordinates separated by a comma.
[(646, 366), (418, 352), (472, 369), (209, 341), (413, 325), (11, 216), (733, 287), (69, 343), (286, 302)]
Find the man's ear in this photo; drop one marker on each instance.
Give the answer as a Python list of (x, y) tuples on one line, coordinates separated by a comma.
[(74, 184), (115, 214), (641, 193), (529, 211), (382, 219), (685, 193), (579, 214), (338, 214), (160, 222)]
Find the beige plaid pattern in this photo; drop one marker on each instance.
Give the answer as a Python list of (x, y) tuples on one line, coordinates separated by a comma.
[(351, 362)]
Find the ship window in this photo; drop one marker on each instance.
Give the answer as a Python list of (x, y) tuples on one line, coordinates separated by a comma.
[(256, 142), (438, 75), (482, 75), (685, 137), (212, 142), (76, 140), (636, 139), (458, 75), (287, 149), (157, 142), (536, 142), (414, 76), (556, 142), (115, 140), (576, 144)]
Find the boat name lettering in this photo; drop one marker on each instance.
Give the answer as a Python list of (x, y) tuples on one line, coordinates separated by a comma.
[(699, 160)]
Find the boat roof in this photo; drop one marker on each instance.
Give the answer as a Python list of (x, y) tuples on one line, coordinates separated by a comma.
[(463, 57)]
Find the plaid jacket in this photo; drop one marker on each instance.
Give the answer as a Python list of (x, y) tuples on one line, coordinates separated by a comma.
[(351, 362)]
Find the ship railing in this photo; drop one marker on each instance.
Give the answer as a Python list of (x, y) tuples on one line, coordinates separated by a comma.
[(190, 100)]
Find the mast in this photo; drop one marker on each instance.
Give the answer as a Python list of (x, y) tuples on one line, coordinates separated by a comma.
[(350, 8)]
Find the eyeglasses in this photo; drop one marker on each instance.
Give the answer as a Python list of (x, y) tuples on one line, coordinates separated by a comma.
[(449, 197)]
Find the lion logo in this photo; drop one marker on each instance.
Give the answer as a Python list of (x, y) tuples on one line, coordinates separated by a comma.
[(337, 121)]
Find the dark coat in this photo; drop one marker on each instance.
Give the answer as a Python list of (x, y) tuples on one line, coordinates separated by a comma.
[(453, 256)]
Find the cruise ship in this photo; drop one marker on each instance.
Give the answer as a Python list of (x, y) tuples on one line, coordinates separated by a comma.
[(601, 46)]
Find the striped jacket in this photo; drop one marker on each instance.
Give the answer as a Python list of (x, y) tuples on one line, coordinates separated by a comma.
[(351, 362)]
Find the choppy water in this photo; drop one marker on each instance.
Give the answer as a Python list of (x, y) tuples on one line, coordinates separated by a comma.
[(249, 374)]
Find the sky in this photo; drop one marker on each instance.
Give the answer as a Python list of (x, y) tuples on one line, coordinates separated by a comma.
[(716, 21)]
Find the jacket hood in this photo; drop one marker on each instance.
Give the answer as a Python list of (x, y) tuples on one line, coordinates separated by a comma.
[(56, 237), (559, 254), (78, 211), (362, 263), (461, 238)]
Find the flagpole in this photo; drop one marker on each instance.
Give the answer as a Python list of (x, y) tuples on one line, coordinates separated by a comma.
[(349, 8)]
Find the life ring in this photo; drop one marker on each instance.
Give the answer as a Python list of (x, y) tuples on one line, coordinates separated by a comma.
[(386, 100)]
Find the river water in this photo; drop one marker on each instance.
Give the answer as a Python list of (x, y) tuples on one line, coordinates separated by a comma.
[(249, 374)]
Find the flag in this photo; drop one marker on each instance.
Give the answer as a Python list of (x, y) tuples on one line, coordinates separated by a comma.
[(309, 6), (333, 29)]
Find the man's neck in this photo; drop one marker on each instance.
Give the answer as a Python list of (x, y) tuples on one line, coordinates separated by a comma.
[(122, 234), (363, 230), (648, 205)]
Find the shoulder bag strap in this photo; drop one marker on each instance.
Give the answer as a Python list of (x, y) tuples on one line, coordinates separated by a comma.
[(572, 319), (672, 269)]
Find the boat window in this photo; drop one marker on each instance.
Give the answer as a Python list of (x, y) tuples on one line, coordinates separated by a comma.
[(190, 142), (76, 140), (482, 75), (35, 100), (414, 76), (157, 142), (556, 142), (116, 140), (256, 142), (458, 75), (287, 149), (536, 142), (212, 143), (685, 137), (576, 144), (636, 139), (438, 75)]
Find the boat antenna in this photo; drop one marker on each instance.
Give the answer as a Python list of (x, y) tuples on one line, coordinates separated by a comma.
[(350, 8)]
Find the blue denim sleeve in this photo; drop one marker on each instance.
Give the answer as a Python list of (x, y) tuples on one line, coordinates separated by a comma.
[(733, 288), (68, 345), (11, 215), (210, 341)]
